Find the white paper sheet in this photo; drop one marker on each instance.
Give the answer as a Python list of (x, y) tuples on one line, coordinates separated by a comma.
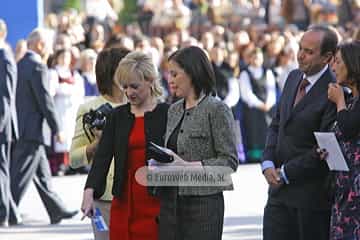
[(335, 158)]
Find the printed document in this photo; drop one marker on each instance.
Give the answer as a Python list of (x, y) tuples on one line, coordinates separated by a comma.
[(335, 158)]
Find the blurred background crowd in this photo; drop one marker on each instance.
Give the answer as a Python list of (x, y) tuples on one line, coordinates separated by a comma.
[(252, 45)]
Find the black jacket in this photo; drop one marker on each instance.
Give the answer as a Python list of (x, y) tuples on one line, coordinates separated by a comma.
[(8, 83), (37, 117), (291, 142), (114, 144)]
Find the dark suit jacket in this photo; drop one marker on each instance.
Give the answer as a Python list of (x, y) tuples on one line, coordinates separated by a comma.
[(35, 107), (291, 142), (8, 116), (114, 144)]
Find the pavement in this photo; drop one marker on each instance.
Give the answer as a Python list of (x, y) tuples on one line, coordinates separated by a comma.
[(243, 210)]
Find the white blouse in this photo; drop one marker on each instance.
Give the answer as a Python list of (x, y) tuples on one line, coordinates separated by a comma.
[(247, 94)]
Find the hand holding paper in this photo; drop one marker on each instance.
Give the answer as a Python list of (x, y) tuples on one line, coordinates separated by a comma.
[(162, 160), (160, 154), (335, 158)]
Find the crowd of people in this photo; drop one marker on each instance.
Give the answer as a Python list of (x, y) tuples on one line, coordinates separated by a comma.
[(251, 53), (215, 83)]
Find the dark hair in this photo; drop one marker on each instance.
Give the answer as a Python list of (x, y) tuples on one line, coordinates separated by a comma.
[(194, 61), (330, 39), (350, 53), (113, 41), (53, 59), (105, 67)]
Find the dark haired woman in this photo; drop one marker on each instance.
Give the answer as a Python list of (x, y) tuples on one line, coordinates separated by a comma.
[(199, 134), (82, 148), (345, 217)]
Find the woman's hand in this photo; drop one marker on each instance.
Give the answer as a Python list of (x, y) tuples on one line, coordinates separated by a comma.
[(97, 133), (91, 148), (336, 95), (178, 161), (87, 205)]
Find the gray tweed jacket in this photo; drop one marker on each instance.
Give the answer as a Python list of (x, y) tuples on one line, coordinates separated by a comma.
[(206, 134)]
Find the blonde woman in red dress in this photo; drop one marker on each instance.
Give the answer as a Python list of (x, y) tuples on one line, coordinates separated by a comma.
[(128, 131)]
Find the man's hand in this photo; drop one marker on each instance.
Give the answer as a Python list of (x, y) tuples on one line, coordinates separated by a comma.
[(272, 176), (323, 154)]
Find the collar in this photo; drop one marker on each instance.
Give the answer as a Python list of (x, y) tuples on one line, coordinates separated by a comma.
[(198, 101), (148, 113), (113, 104), (313, 78), (36, 55), (255, 69)]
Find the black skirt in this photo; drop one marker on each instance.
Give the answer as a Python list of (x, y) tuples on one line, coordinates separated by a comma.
[(190, 217)]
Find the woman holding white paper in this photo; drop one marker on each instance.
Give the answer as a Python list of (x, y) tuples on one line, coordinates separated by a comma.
[(345, 217)]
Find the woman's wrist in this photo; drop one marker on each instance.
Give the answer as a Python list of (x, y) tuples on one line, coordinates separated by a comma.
[(195, 163), (340, 105), (90, 150)]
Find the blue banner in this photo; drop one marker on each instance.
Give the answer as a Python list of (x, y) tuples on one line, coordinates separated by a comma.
[(21, 17)]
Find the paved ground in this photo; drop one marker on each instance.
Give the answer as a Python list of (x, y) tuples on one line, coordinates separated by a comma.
[(243, 214)]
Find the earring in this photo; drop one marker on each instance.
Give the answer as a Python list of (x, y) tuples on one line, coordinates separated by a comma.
[(152, 89)]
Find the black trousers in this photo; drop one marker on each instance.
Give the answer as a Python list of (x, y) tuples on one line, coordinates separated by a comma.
[(282, 222), (29, 163), (190, 217), (6, 200)]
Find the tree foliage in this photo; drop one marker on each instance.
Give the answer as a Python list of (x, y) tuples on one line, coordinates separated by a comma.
[(128, 13), (75, 4)]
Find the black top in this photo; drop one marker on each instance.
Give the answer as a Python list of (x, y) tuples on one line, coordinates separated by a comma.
[(258, 85), (172, 143), (114, 144), (349, 120)]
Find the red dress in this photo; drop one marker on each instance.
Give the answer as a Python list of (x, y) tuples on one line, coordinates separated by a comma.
[(132, 215)]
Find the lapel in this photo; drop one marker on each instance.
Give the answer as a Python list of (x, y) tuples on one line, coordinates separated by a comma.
[(174, 119), (29, 55), (317, 90), (122, 131), (292, 94), (33, 56)]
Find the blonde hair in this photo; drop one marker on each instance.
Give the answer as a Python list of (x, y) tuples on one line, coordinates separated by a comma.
[(142, 66)]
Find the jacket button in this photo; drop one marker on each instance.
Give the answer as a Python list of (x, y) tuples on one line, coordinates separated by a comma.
[(188, 114), (181, 131)]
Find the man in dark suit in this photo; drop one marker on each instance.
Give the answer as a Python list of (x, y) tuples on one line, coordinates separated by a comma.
[(298, 206), (8, 124), (37, 121)]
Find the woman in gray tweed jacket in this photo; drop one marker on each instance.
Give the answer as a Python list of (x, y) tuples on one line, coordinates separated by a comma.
[(199, 134)]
